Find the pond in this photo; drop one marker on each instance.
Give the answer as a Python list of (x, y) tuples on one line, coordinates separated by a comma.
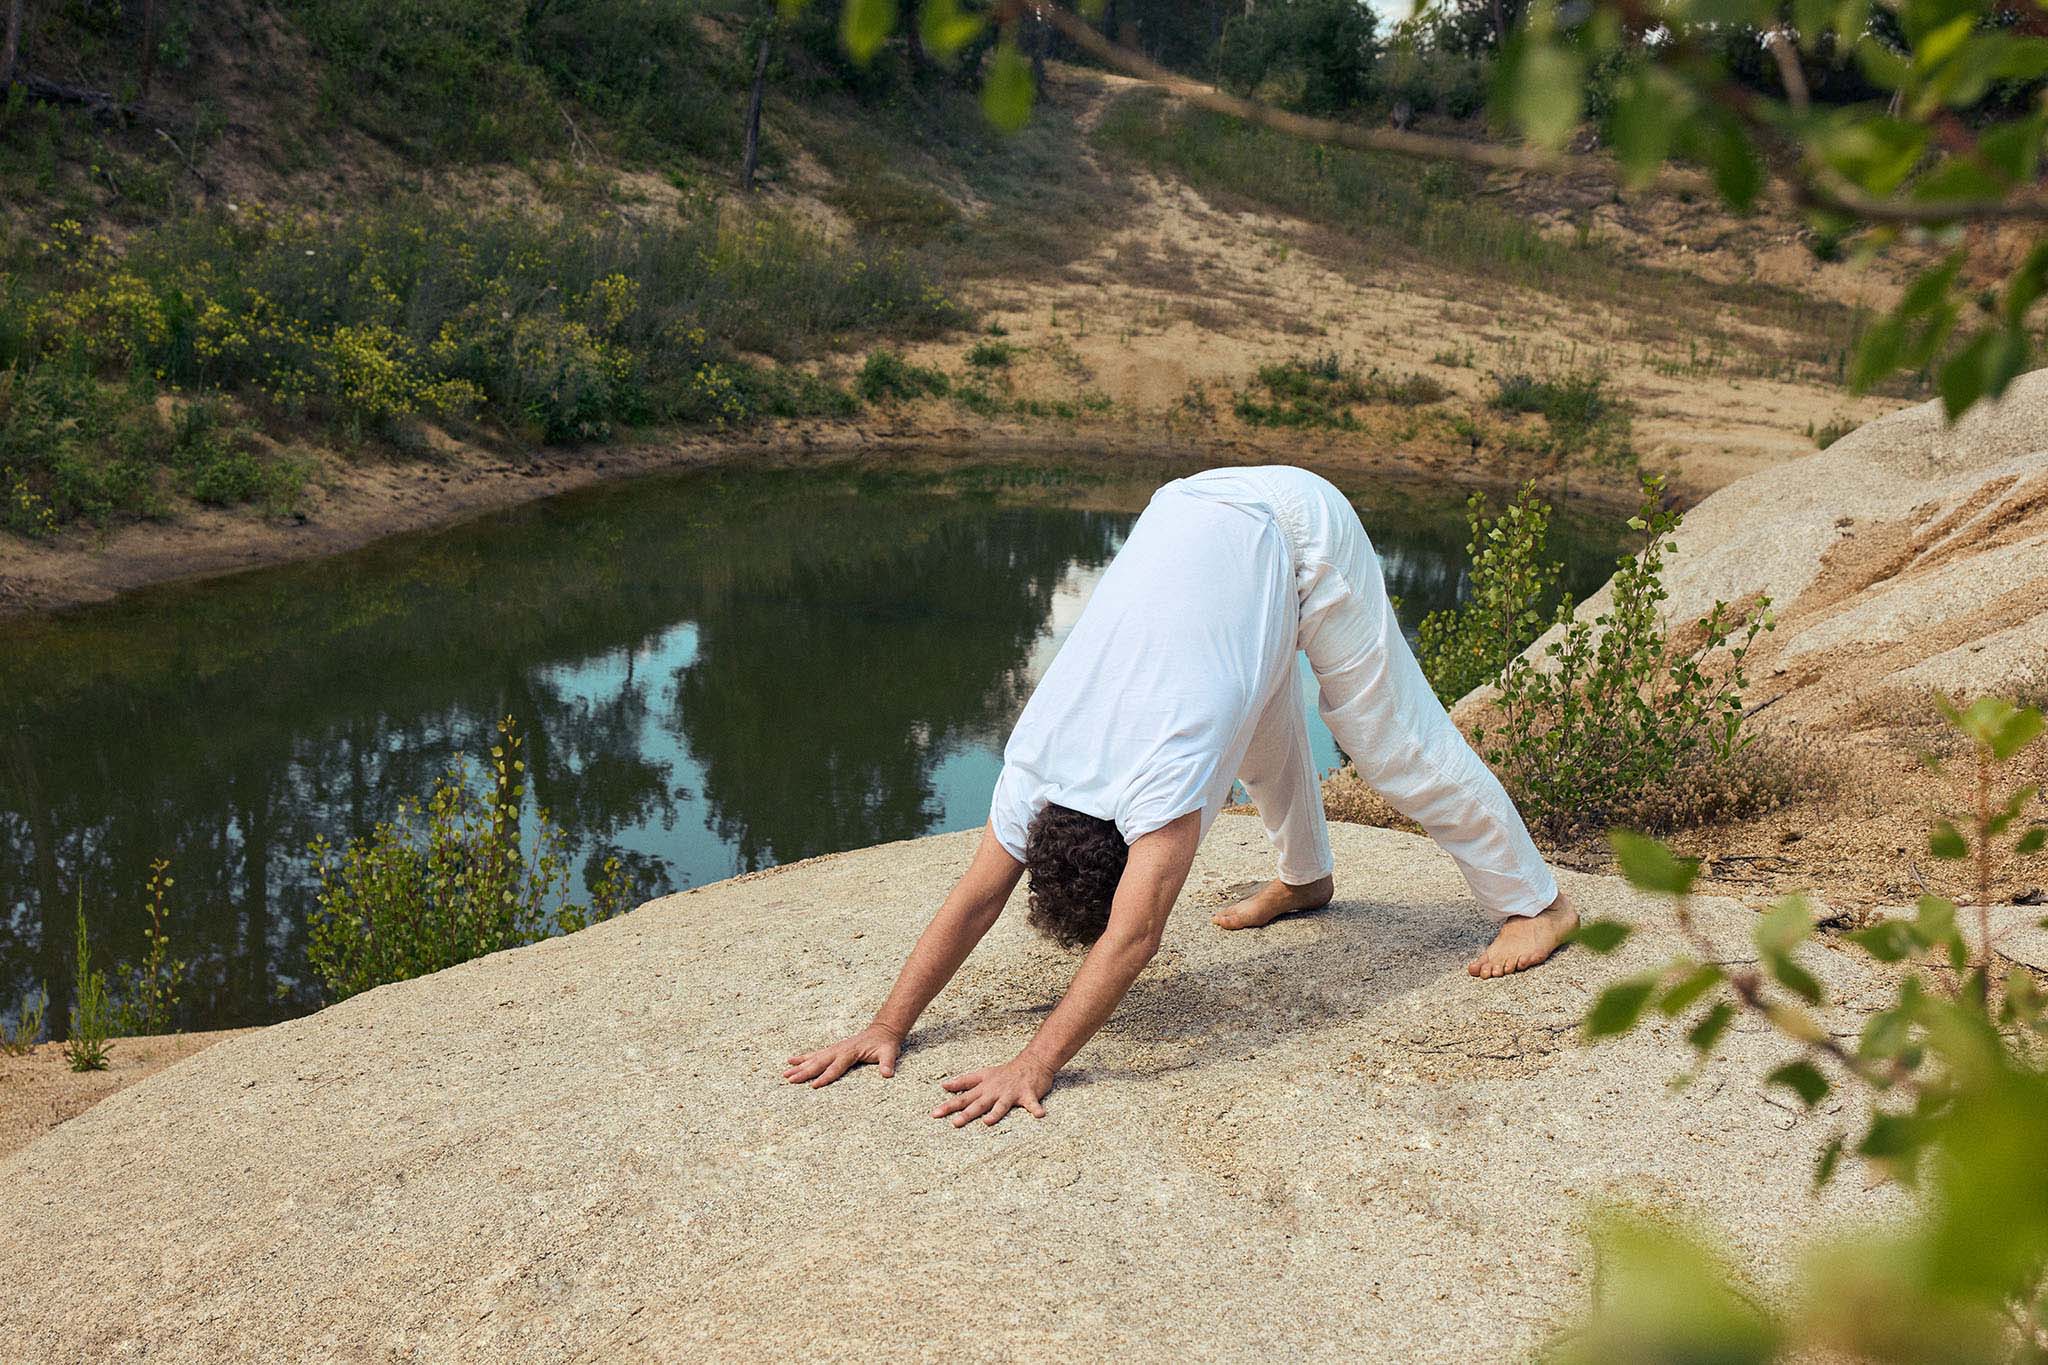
[(715, 672)]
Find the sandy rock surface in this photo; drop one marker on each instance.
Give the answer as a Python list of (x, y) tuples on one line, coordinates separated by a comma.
[(1906, 558), (1321, 1139)]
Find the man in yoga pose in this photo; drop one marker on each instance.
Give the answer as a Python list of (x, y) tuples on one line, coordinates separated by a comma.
[(1177, 681)]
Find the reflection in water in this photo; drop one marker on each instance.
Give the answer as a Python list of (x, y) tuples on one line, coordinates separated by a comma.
[(714, 673)]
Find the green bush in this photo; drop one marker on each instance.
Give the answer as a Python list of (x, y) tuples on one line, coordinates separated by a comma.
[(559, 331), (450, 879), (1511, 581), (887, 376), (1321, 391), (991, 354), (1578, 409), (1614, 708), (85, 1047), (1318, 54), (1948, 1090)]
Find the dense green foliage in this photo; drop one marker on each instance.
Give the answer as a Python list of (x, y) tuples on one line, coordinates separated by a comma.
[(1614, 706), (450, 878), (539, 329), (1953, 1101), (1511, 580), (1321, 54)]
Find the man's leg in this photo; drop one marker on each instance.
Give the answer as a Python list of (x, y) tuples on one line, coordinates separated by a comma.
[(1280, 774), (1384, 714)]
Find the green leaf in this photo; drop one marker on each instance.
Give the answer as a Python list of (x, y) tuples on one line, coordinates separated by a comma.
[(1619, 1007), (1947, 842), (1830, 1161), (1650, 866), (2033, 841), (1888, 940), (945, 29), (1600, 935), (864, 25), (1690, 988), (1803, 1079), (1788, 923), (1645, 123), (1007, 94), (1706, 1034), (1793, 977), (1547, 85), (2019, 729)]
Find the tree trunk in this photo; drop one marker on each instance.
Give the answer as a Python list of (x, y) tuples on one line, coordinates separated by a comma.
[(1500, 26), (148, 50), (10, 41), (1040, 31), (751, 159), (913, 35)]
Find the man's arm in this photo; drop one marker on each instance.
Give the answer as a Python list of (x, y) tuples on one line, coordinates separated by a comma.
[(968, 913), (1152, 878)]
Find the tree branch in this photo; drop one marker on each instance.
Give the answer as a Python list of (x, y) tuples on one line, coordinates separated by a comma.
[(1807, 188)]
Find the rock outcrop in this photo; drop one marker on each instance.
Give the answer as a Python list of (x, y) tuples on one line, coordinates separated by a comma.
[(1321, 1139), (1909, 557)]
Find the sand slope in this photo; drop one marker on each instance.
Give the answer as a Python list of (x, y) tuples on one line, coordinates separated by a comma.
[(1321, 1139)]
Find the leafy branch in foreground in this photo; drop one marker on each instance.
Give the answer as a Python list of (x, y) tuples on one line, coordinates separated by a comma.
[(1957, 1108)]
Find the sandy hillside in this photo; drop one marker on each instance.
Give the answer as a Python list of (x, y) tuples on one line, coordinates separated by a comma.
[(1319, 1140), (1186, 299)]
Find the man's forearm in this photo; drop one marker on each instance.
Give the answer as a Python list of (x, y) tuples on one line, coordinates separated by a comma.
[(1105, 977), (940, 950), (969, 912)]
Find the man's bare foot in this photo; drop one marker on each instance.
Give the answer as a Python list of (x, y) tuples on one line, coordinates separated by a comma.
[(1526, 940), (1274, 899)]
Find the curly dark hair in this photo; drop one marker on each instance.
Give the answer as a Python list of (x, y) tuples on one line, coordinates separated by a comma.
[(1075, 861)]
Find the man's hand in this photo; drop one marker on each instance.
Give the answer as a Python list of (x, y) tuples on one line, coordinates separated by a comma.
[(989, 1094), (875, 1043)]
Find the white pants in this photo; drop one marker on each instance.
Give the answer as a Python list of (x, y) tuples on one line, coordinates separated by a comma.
[(1382, 712)]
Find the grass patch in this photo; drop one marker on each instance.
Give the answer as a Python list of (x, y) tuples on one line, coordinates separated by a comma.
[(1322, 391), (886, 376), (1580, 411)]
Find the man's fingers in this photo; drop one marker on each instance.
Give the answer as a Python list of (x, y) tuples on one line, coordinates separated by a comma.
[(972, 1111), (956, 1103), (804, 1070), (887, 1062), (966, 1080), (833, 1072), (997, 1110), (1035, 1109)]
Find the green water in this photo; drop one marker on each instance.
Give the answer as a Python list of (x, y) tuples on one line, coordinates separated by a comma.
[(715, 672)]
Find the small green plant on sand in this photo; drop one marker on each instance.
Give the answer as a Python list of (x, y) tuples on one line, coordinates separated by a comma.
[(19, 1034), (151, 990), (1951, 1079), (91, 1012), (1468, 645), (1615, 707), (449, 879)]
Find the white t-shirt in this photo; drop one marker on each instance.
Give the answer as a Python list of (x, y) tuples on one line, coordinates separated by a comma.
[(1147, 710)]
